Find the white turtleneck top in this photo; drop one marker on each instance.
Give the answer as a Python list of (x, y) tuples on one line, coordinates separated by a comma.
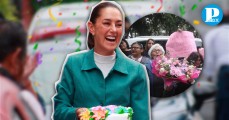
[(105, 63)]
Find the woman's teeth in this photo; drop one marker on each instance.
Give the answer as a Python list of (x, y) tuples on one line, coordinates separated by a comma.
[(110, 38)]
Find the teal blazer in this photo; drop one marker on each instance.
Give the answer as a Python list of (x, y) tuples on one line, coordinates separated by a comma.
[(82, 84)]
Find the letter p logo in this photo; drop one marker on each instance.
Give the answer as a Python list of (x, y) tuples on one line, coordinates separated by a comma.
[(212, 14)]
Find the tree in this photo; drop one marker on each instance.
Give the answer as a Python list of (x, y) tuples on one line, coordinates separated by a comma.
[(8, 10), (159, 24)]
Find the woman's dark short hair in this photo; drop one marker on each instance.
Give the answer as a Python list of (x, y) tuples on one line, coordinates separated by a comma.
[(127, 44), (12, 36), (193, 57), (94, 15)]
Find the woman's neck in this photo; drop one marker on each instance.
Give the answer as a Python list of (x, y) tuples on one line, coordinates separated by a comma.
[(104, 53), (137, 56)]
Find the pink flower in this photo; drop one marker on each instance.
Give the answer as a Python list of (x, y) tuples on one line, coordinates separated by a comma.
[(172, 69), (111, 107), (195, 74), (99, 112), (183, 79), (163, 72)]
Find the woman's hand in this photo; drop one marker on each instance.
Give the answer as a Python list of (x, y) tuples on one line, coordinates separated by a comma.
[(79, 111), (30, 65)]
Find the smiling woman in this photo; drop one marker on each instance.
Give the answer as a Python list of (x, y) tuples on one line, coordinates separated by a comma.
[(103, 75), (106, 30)]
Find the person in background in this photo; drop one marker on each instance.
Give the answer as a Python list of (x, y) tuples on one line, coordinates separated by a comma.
[(136, 53), (156, 84), (216, 66), (201, 51), (148, 45), (180, 45), (196, 59), (18, 100), (102, 75), (124, 46)]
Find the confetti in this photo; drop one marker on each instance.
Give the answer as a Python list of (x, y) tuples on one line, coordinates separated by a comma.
[(158, 10), (35, 46), (29, 37), (39, 62), (76, 39), (74, 14), (200, 0), (194, 7), (59, 24), (39, 58), (54, 59), (60, 14), (36, 83), (87, 7), (196, 22), (51, 49), (198, 84), (77, 32), (51, 15), (152, 7), (85, 0), (39, 0), (182, 10)]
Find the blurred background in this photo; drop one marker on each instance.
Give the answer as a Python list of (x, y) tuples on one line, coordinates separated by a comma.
[(58, 27)]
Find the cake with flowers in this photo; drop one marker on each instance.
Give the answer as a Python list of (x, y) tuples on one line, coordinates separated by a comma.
[(111, 112)]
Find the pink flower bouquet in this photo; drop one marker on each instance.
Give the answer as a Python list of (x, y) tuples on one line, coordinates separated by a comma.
[(172, 69)]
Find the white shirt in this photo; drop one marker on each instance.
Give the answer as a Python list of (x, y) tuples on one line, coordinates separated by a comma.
[(216, 50), (104, 63), (136, 59)]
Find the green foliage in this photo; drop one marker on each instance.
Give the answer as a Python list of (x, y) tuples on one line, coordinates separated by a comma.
[(8, 10), (159, 24)]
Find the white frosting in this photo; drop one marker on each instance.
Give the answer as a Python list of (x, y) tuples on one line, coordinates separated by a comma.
[(115, 116)]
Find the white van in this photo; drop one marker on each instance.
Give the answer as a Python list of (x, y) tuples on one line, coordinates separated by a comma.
[(158, 39)]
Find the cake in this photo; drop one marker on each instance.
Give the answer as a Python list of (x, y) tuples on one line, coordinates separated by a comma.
[(111, 112)]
